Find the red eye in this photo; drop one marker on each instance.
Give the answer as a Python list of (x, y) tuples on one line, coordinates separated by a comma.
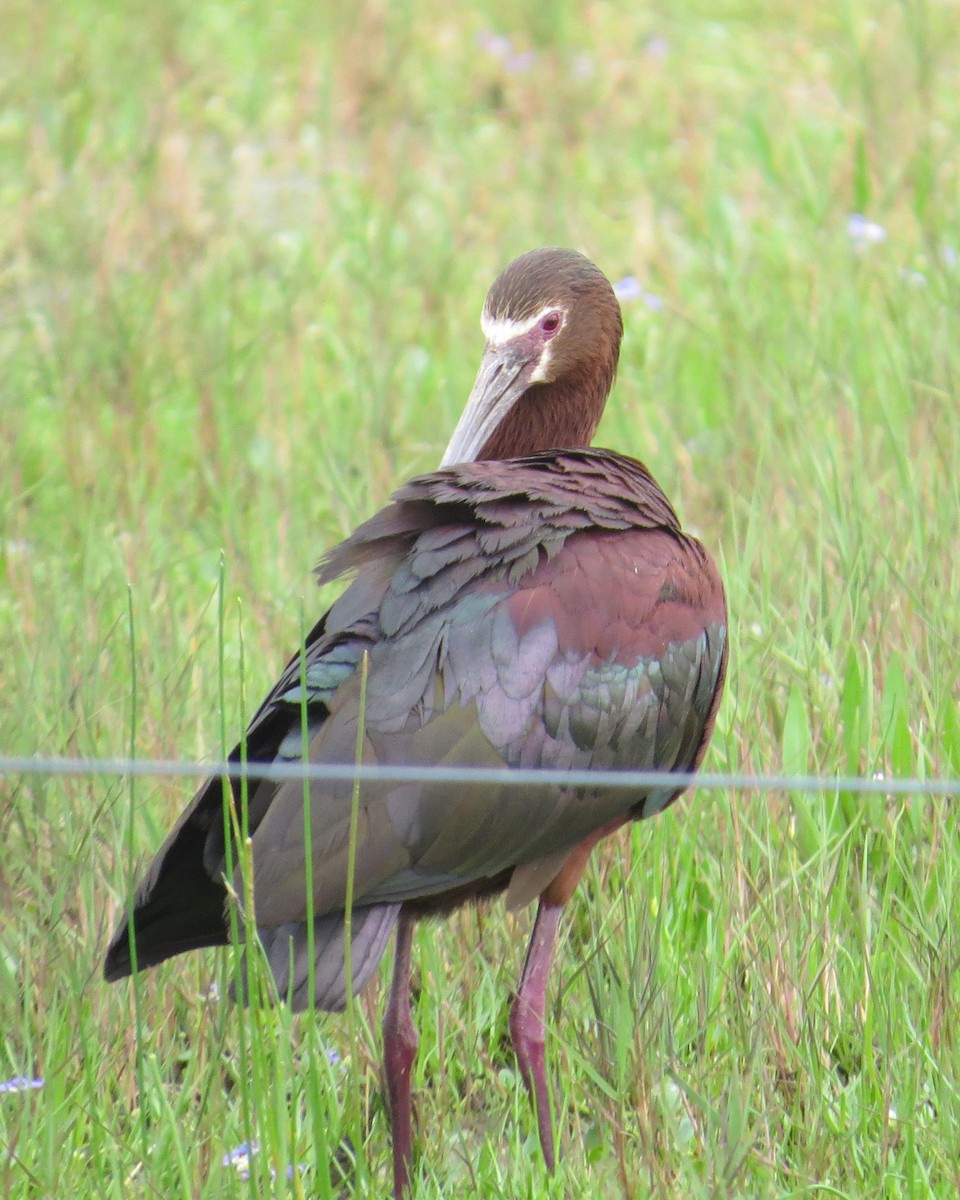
[(550, 323)]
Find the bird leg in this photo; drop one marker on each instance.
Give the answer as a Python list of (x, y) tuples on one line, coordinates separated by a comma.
[(400, 1043), (526, 1020)]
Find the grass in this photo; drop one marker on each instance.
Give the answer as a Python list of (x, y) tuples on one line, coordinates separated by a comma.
[(242, 256)]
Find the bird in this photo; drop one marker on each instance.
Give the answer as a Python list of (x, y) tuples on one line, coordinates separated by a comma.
[(532, 603)]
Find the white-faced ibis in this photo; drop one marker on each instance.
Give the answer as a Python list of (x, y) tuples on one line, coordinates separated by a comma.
[(533, 603)]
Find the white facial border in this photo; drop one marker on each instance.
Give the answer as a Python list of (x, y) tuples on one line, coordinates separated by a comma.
[(500, 330)]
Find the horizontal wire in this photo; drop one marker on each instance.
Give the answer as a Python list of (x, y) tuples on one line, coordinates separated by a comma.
[(277, 772)]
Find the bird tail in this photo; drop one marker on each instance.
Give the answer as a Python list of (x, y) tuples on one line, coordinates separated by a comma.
[(287, 951)]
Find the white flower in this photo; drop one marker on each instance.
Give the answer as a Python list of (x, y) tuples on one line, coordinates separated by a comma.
[(863, 232)]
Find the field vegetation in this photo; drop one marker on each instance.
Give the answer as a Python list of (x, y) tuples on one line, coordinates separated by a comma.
[(243, 249)]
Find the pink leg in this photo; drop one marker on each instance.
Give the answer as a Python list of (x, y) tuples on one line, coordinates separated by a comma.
[(526, 1020), (400, 1043)]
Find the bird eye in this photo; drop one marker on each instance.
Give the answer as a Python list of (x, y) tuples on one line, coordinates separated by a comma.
[(550, 323)]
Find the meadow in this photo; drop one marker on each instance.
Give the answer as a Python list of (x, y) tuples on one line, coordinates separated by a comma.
[(243, 250)]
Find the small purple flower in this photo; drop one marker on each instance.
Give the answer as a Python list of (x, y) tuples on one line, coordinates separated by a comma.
[(628, 289), (497, 45), (500, 47), (241, 1156), (863, 232), (19, 1083), (657, 47), (948, 256), (519, 64)]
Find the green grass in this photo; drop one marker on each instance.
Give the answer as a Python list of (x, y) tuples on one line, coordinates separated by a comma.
[(243, 250)]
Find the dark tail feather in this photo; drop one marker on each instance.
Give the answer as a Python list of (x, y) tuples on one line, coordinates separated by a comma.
[(286, 949), (171, 922)]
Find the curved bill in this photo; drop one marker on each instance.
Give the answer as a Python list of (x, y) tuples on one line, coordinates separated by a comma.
[(501, 381)]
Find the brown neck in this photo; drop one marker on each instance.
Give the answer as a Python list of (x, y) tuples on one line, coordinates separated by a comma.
[(562, 415)]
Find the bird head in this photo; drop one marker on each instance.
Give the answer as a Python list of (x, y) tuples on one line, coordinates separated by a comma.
[(553, 330)]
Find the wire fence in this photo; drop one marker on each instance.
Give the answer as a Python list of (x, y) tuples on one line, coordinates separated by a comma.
[(11, 765)]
